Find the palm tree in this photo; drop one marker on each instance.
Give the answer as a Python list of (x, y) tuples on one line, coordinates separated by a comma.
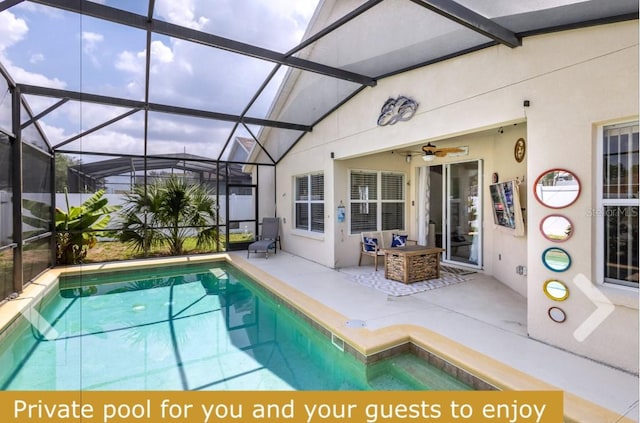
[(138, 214), (167, 213), (76, 227)]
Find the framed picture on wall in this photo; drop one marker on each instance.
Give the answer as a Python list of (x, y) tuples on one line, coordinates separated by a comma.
[(505, 199), (503, 207), (519, 150)]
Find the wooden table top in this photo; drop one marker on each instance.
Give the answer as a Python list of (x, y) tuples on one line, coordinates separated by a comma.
[(412, 249)]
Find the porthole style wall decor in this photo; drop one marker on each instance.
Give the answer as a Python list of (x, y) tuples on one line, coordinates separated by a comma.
[(556, 290), (557, 314), (556, 259), (556, 228), (557, 188)]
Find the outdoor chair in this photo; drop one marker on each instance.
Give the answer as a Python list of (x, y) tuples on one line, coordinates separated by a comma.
[(372, 243), (369, 247), (268, 238)]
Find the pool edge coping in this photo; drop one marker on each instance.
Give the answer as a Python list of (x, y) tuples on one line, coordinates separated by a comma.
[(363, 340)]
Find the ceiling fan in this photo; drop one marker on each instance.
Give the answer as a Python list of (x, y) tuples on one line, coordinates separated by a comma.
[(430, 151)]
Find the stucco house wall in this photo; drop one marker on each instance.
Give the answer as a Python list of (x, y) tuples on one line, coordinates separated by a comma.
[(575, 80)]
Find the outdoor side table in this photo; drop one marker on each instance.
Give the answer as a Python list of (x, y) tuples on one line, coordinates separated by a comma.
[(412, 263)]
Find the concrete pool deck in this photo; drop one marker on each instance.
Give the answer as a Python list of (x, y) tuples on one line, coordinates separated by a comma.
[(458, 322), (481, 314)]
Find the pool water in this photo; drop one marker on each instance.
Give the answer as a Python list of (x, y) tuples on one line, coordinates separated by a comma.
[(195, 327)]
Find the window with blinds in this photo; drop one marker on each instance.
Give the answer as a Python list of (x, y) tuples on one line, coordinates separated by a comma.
[(309, 202), (620, 204), (377, 201)]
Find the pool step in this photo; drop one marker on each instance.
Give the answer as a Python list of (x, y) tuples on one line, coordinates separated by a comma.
[(392, 382), (418, 374)]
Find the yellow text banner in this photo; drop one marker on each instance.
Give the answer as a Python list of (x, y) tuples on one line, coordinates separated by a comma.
[(281, 406)]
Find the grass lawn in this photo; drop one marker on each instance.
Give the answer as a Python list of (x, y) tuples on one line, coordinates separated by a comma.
[(116, 250)]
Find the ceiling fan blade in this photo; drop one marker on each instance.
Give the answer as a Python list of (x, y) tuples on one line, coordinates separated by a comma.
[(451, 149), (440, 153)]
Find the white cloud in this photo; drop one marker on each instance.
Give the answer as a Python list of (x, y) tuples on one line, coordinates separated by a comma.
[(12, 30), (107, 141), (181, 13), (298, 13), (54, 133), (135, 62), (275, 24), (161, 52), (111, 140), (21, 75), (36, 58), (90, 41), (129, 62), (166, 136), (124, 136)]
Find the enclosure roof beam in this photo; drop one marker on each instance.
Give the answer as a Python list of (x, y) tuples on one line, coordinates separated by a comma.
[(162, 108), (44, 113), (96, 128), (259, 143), (472, 20), (335, 25), (8, 3)]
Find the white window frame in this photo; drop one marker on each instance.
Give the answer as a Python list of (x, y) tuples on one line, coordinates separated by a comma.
[(601, 203), (308, 202), (378, 202)]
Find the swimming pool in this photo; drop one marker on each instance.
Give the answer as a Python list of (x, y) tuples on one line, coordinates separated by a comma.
[(201, 326)]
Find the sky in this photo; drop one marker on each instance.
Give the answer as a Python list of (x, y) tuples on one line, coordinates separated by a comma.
[(53, 48)]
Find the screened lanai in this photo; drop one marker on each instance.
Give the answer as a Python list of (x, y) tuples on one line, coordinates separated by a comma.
[(126, 93)]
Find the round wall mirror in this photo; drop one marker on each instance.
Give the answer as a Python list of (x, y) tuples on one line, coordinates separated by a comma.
[(556, 259), (557, 188), (556, 290), (557, 314), (556, 228)]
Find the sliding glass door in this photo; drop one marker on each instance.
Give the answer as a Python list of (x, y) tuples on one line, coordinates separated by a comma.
[(462, 204)]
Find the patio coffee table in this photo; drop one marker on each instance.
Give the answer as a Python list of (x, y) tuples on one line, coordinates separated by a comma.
[(412, 264)]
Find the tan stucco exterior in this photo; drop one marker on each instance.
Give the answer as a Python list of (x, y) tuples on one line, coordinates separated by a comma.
[(575, 80)]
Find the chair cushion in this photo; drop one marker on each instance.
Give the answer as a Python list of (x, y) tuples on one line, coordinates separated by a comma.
[(398, 240), (458, 238), (370, 244)]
